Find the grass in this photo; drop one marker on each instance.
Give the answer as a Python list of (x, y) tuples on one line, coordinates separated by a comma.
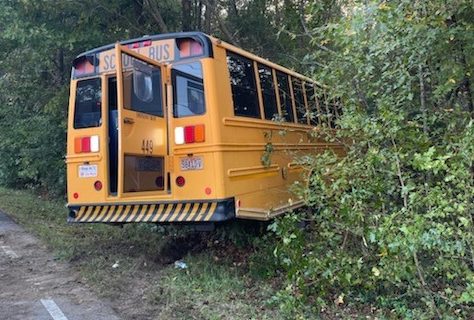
[(133, 266)]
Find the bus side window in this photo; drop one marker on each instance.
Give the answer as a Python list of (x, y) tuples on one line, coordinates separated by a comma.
[(322, 105), (244, 88), (299, 100), (332, 112), (285, 96), (338, 105), (87, 109), (268, 92), (313, 108)]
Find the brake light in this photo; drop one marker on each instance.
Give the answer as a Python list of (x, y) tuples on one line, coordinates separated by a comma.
[(98, 185), (189, 134), (180, 181), (86, 144), (189, 47)]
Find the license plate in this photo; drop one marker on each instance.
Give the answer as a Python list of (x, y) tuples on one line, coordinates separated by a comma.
[(191, 163), (88, 171)]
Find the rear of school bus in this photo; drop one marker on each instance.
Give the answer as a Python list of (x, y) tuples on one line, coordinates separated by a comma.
[(141, 139)]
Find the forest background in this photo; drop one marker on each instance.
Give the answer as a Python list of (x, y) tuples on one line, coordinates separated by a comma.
[(394, 228)]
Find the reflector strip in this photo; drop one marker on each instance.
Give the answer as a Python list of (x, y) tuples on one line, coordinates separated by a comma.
[(165, 212)]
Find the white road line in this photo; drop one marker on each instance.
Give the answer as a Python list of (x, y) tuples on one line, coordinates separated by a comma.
[(53, 309), (9, 252)]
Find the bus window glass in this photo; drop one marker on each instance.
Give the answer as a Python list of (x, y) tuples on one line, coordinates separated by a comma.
[(268, 92), (339, 110), (142, 89), (321, 104), (188, 90), (285, 96), (299, 100), (87, 110), (244, 89), (331, 107), (312, 106)]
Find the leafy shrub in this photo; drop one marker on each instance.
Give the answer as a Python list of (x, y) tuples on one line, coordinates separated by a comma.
[(392, 222)]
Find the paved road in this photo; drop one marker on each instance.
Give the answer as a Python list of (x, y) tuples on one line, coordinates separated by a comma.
[(35, 286)]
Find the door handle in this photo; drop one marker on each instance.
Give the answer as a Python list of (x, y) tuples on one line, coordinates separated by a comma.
[(128, 120)]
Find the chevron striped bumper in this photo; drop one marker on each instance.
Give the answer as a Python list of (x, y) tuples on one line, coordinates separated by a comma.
[(201, 211)]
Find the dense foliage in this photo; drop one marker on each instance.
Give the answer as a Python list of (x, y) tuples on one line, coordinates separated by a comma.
[(391, 224)]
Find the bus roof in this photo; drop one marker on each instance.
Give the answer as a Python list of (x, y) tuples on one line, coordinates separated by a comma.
[(204, 38), (207, 41)]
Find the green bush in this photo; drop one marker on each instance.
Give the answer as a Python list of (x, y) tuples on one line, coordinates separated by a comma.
[(391, 223)]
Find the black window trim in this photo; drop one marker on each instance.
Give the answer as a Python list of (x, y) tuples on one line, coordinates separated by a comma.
[(174, 74), (90, 77), (255, 79)]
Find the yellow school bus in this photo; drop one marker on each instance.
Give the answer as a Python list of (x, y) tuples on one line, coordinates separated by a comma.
[(185, 128)]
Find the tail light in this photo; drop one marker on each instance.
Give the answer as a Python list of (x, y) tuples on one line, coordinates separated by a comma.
[(189, 134), (180, 181), (86, 144), (98, 185)]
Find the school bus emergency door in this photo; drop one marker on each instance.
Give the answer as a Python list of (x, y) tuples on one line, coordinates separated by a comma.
[(142, 126)]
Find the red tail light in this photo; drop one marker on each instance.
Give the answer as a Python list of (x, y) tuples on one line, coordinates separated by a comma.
[(86, 144), (189, 134), (180, 181), (98, 185)]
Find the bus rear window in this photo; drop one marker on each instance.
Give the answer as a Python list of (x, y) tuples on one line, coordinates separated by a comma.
[(188, 93), (87, 109)]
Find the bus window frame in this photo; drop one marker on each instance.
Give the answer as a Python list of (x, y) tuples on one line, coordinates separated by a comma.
[(237, 55), (131, 72), (101, 82), (275, 91), (301, 82), (303, 86), (293, 103), (290, 95), (259, 90), (174, 73)]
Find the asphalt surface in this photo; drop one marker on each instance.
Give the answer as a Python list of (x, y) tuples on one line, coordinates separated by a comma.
[(33, 285)]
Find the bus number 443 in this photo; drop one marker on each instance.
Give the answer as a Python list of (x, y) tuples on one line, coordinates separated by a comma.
[(147, 146)]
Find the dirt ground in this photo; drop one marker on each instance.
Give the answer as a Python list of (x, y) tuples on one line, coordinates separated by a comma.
[(34, 286)]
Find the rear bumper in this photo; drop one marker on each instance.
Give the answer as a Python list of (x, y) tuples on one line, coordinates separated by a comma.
[(159, 212)]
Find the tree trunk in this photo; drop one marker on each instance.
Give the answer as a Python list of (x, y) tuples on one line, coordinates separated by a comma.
[(186, 15)]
